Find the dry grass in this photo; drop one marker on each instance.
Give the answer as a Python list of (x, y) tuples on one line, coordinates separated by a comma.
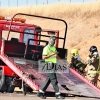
[(82, 18), (57, 10)]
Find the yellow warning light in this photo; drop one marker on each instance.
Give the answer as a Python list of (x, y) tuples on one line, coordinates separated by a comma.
[(22, 20), (19, 20), (14, 19), (2, 18)]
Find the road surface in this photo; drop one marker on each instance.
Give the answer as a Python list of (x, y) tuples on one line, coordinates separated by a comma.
[(32, 96)]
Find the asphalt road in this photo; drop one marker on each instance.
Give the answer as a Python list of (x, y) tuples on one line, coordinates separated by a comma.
[(32, 96)]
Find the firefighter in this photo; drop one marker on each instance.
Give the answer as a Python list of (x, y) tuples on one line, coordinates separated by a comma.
[(76, 61), (93, 67), (50, 56)]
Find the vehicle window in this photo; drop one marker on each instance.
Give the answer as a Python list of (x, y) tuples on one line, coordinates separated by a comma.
[(12, 35), (28, 36)]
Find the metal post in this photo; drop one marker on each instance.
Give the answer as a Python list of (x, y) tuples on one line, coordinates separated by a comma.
[(36, 2), (83, 0), (0, 3), (17, 3), (70, 0), (8, 2), (26, 2), (47, 1)]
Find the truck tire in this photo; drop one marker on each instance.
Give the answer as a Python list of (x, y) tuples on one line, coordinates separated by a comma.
[(2, 82), (6, 83), (10, 86)]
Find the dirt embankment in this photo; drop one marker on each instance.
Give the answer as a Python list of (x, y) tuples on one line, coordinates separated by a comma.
[(83, 21)]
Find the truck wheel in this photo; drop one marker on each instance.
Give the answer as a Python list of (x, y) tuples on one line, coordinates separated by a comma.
[(10, 86), (6, 83), (29, 89), (2, 82)]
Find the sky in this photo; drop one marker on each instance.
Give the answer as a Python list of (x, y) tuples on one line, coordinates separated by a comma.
[(5, 3)]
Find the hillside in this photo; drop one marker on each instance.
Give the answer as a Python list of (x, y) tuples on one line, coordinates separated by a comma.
[(83, 21)]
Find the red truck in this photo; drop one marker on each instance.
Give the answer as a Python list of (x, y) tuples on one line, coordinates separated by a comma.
[(19, 59), (22, 51)]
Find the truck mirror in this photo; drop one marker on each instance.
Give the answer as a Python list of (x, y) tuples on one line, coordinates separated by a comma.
[(38, 29)]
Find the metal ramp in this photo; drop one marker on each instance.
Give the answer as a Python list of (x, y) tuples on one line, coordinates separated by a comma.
[(69, 83), (78, 85)]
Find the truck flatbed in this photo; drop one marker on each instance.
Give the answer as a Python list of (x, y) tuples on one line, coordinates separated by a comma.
[(69, 83)]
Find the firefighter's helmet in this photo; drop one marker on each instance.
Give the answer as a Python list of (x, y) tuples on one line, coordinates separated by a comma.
[(74, 52), (93, 49)]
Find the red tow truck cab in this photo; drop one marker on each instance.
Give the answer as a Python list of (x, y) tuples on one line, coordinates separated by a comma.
[(23, 29), (18, 54)]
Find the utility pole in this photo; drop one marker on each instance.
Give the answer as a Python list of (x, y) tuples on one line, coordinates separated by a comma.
[(83, 0), (70, 0)]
